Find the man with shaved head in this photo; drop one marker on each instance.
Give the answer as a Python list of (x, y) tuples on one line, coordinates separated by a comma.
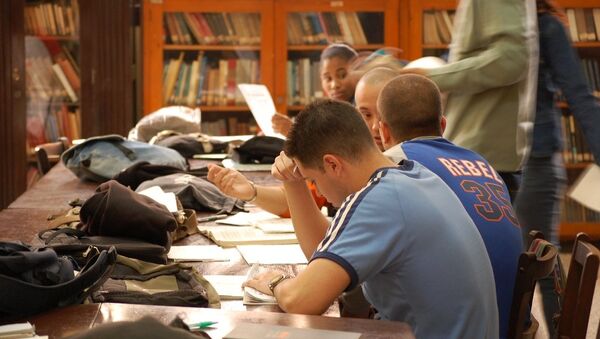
[(410, 127)]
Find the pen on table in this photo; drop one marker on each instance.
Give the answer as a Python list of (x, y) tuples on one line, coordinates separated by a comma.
[(212, 218), (202, 324)]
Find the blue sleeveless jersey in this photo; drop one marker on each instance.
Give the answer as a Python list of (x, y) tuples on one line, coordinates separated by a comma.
[(485, 197)]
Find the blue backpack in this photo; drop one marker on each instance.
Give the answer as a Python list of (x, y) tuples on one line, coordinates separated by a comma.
[(101, 158)]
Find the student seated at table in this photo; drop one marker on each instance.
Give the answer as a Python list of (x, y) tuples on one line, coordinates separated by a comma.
[(404, 113), (335, 62), (399, 231)]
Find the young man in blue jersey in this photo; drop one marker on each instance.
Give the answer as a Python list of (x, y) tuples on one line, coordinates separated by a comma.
[(399, 231), (405, 113)]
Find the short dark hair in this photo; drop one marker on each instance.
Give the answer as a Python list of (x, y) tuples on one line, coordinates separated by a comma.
[(411, 106), (328, 126), (339, 50)]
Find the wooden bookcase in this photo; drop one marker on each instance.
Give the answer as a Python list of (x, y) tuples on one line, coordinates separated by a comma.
[(377, 20), (575, 218), (53, 81), (274, 49), (105, 98), (160, 49)]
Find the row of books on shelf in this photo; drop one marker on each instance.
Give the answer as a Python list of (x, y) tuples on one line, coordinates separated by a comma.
[(573, 212), (57, 18), (50, 70), (47, 79), (584, 24), (49, 120), (229, 126), (575, 148), (592, 74), (437, 27), (304, 81), (325, 27), (207, 82), (212, 28)]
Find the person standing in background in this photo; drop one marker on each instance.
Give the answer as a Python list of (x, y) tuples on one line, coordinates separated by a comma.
[(544, 175), (490, 82)]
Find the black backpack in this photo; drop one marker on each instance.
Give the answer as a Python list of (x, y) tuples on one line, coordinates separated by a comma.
[(258, 150), (33, 281)]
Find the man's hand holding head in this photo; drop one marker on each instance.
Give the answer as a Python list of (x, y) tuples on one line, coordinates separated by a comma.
[(285, 169)]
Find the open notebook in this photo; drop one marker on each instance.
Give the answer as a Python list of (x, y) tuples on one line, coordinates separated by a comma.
[(230, 236)]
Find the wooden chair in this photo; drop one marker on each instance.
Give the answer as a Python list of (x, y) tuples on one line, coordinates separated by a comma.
[(49, 154), (579, 289), (537, 263)]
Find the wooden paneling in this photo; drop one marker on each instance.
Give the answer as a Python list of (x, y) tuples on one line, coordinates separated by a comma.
[(12, 101), (106, 67)]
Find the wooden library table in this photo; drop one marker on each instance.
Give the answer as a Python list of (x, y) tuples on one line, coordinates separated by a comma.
[(74, 319), (27, 215)]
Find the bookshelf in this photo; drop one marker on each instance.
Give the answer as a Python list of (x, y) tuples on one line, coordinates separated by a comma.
[(584, 30), (196, 52), (178, 33), (88, 42), (304, 28), (53, 82), (430, 28)]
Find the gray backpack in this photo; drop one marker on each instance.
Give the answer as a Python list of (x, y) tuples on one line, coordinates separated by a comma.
[(101, 158)]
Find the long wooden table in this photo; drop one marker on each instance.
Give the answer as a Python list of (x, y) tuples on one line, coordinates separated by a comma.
[(27, 215)]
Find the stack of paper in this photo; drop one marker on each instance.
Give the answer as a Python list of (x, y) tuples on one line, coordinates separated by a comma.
[(197, 253), (253, 296), (230, 236), (273, 254)]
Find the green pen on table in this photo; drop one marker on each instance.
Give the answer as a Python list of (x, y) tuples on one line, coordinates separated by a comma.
[(202, 324)]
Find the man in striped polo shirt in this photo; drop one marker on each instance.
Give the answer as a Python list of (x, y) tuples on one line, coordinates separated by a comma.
[(399, 231)]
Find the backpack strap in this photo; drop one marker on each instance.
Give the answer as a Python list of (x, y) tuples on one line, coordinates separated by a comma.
[(57, 231), (126, 151)]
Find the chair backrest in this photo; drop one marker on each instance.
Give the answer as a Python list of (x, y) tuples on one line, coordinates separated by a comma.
[(536, 263), (49, 153), (579, 289)]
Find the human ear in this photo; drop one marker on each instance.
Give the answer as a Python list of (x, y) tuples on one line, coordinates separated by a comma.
[(384, 133), (332, 164)]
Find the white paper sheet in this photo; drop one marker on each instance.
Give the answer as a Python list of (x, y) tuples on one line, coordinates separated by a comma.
[(261, 105), (231, 236), (272, 254), (157, 194), (197, 253), (229, 287), (586, 189), (275, 225), (246, 219)]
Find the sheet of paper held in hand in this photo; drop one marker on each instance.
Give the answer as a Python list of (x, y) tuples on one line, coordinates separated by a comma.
[(261, 105), (586, 189)]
